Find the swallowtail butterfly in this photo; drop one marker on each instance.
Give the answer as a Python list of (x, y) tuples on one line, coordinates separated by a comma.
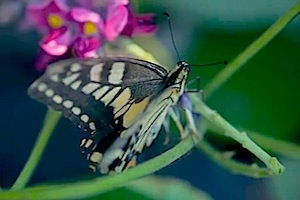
[(121, 102)]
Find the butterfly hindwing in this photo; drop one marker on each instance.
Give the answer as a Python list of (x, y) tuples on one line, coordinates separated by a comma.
[(124, 151)]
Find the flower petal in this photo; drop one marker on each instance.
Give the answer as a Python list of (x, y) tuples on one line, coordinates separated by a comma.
[(116, 20), (89, 22), (84, 3), (118, 2), (139, 24), (185, 101), (57, 42), (145, 24), (84, 15), (86, 47), (37, 13)]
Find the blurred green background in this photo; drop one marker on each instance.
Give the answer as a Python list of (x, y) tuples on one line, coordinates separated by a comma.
[(263, 96)]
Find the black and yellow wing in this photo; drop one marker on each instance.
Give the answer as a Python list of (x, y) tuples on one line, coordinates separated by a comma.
[(122, 102)]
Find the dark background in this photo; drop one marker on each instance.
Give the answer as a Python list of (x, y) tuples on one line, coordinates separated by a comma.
[(263, 96)]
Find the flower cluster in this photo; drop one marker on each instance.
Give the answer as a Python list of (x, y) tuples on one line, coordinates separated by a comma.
[(83, 28)]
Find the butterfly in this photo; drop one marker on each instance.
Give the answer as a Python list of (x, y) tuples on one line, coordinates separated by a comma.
[(121, 102)]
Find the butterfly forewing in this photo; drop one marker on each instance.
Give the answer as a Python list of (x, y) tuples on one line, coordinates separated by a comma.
[(88, 89), (121, 101)]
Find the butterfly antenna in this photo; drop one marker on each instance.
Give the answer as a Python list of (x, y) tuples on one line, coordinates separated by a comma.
[(171, 32), (224, 62)]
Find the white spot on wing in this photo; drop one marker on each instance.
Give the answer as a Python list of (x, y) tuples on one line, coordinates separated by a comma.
[(90, 87), (84, 118), (57, 99), (95, 73), (116, 73), (70, 79), (42, 87), (68, 104), (92, 125), (96, 157), (49, 93), (110, 95), (82, 142), (100, 92), (88, 143), (76, 110), (54, 77), (76, 85), (34, 84), (75, 67), (104, 169), (93, 168)]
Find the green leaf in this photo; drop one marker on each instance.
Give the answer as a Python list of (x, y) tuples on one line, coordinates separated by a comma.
[(166, 188), (121, 193), (155, 188)]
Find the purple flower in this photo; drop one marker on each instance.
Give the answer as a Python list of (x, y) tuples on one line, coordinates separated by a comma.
[(186, 103), (82, 30)]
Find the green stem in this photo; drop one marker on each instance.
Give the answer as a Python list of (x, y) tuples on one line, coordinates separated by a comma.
[(228, 130), (102, 184), (251, 50), (224, 159), (136, 50), (50, 122), (277, 146)]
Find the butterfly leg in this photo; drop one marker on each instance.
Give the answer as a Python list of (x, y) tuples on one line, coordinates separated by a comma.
[(166, 126), (177, 122)]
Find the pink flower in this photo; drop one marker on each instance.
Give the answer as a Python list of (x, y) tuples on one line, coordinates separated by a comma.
[(47, 14), (81, 30), (116, 19), (87, 47), (114, 14), (89, 25), (139, 24), (56, 43)]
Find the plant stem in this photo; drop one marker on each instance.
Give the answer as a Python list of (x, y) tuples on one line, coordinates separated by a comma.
[(50, 122), (136, 50), (285, 148), (228, 130), (224, 160), (251, 50), (102, 184)]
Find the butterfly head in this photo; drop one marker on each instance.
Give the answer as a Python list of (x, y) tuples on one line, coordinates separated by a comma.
[(183, 66), (177, 77)]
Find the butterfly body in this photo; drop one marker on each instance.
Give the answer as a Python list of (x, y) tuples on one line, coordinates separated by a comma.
[(121, 102)]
